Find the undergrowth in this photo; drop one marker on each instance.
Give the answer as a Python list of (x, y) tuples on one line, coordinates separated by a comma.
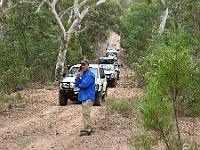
[(122, 106)]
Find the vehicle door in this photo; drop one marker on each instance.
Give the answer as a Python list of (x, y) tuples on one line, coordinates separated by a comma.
[(103, 79)]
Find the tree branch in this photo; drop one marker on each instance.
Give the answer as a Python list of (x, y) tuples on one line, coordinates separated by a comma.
[(76, 9), (77, 32), (41, 4), (54, 3), (100, 2), (61, 14)]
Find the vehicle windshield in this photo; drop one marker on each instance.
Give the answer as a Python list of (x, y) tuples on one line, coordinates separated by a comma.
[(95, 72), (111, 54), (108, 67), (72, 72), (106, 60), (111, 47)]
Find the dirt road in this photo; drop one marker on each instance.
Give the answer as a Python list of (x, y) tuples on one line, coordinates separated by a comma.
[(43, 125)]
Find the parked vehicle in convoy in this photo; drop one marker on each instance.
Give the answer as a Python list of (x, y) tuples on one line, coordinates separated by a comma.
[(112, 48), (111, 60), (117, 68), (107, 60), (111, 74), (110, 54), (68, 91)]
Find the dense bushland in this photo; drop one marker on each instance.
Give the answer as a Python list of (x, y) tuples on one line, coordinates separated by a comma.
[(28, 48), (30, 43), (167, 67)]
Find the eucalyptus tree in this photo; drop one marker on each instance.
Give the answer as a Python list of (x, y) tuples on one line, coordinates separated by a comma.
[(163, 46), (32, 34), (74, 13), (138, 26)]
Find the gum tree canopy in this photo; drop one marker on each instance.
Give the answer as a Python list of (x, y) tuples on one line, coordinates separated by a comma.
[(68, 15), (74, 13)]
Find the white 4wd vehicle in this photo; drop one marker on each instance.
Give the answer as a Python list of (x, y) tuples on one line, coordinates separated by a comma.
[(67, 89), (111, 60), (111, 74), (112, 48)]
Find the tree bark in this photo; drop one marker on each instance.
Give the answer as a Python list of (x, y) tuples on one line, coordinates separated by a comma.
[(61, 59), (163, 22)]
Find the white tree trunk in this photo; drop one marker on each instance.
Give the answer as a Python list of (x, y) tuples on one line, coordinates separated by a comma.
[(163, 22), (75, 19), (61, 59), (66, 36), (78, 12)]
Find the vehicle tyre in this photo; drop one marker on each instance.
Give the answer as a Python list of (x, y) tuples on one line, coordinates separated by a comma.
[(114, 82), (98, 98), (117, 76), (62, 99)]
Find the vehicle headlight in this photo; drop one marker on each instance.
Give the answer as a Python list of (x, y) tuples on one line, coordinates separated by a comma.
[(112, 75), (68, 85), (107, 75)]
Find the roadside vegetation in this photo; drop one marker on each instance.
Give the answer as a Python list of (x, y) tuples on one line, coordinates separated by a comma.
[(167, 68), (166, 63), (123, 106)]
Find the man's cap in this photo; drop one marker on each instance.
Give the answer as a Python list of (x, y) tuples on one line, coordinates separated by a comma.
[(85, 61)]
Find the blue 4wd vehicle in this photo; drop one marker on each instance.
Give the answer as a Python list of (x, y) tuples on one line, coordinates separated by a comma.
[(68, 91)]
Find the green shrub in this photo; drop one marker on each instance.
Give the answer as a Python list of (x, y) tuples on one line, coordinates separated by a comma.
[(172, 89), (122, 106), (13, 101)]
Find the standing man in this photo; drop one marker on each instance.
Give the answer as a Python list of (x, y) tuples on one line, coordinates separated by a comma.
[(85, 80)]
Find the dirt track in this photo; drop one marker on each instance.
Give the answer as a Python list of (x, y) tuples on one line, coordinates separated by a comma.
[(43, 125)]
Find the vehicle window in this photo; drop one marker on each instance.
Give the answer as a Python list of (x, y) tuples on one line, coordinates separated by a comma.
[(111, 54), (111, 47), (72, 72), (108, 67), (101, 71), (106, 61), (95, 70)]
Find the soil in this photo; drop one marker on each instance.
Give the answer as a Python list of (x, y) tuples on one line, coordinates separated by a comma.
[(44, 125)]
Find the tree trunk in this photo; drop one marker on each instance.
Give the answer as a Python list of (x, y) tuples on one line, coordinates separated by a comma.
[(66, 36), (162, 25), (61, 60)]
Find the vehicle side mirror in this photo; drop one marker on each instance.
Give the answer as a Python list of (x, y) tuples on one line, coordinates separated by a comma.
[(64, 74), (68, 67)]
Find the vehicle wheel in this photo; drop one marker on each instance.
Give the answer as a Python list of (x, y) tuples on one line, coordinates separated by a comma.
[(62, 99), (98, 99), (117, 76), (115, 83)]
